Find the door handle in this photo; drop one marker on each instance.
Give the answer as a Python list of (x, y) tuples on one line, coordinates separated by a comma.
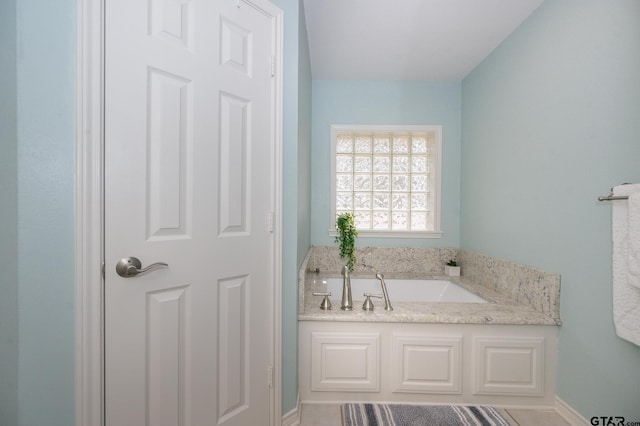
[(131, 266)]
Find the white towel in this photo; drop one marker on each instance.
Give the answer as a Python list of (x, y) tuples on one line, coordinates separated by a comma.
[(626, 262), (634, 239)]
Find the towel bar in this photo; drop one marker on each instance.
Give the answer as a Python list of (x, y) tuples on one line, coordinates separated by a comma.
[(613, 197)]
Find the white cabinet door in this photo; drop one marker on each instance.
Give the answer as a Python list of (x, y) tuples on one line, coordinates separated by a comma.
[(509, 366), (348, 362), (426, 364)]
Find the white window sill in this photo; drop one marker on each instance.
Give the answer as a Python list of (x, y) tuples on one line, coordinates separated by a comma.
[(393, 234)]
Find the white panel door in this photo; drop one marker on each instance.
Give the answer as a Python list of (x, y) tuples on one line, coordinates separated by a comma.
[(189, 180)]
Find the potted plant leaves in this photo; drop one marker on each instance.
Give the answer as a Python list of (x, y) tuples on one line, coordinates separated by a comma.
[(347, 234), (452, 268)]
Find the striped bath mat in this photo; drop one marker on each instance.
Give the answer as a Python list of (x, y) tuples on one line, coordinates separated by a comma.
[(420, 415)]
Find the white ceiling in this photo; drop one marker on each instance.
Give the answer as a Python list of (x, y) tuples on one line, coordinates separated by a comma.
[(407, 39)]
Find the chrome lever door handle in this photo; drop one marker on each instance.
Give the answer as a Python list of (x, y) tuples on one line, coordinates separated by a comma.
[(131, 266)]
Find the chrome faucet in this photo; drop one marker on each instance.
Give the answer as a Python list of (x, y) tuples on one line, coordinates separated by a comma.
[(347, 302), (387, 302)]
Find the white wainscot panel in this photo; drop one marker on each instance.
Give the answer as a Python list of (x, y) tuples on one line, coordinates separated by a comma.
[(345, 362), (509, 366), (426, 364)]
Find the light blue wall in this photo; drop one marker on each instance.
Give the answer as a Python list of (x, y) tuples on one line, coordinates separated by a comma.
[(45, 100), (45, 70), (8, 217), (550, 121), (386, 102)]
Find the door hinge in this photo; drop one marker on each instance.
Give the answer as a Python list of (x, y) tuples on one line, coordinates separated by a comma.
[(102, 270), (271, 222), (270, 376), (273, 66)]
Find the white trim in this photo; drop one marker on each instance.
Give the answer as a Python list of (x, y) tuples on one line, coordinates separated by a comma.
[(293, 417), (276, 404), (88, 214), (88, 208), (569, 414), (274, 12), (392, 234), (436, 175)]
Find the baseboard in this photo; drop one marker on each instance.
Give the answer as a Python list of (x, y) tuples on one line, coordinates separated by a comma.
[(569, 414), (292, 418)]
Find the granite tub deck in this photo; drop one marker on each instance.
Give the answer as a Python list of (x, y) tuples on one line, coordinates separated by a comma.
[(516, 294)]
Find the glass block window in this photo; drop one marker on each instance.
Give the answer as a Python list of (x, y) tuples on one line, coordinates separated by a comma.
[(388, 178)]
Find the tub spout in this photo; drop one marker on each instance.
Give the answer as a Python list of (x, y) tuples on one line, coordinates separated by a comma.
[(387, 302), (347, 302)]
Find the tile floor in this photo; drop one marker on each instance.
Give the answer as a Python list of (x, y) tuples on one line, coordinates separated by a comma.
[(329, 415)]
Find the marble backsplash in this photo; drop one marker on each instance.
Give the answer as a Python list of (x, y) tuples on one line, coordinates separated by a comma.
[(522, 284), (369, 260)]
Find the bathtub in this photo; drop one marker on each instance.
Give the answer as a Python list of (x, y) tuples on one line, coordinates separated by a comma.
[(488, 337), (405, 290), (447, 341)]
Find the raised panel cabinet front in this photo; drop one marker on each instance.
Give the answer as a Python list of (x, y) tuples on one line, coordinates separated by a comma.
[(347, 362), (509, 366), (426, 364)]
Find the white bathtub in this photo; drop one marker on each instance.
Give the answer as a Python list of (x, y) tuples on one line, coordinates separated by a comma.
[(404, 290), (424, 351)]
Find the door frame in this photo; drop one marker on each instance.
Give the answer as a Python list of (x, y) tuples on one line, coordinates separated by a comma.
[(89, 210)]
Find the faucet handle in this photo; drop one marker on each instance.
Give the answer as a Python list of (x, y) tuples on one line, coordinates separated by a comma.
[(368, 304), (325, 305)]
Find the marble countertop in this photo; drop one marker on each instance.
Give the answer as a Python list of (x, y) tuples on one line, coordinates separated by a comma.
[(499, 309)]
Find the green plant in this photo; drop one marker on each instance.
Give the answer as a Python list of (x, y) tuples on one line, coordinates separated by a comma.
[(452, 263), (347, 234)]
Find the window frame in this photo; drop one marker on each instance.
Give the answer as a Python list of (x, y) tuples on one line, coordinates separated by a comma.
[(435, 174)]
